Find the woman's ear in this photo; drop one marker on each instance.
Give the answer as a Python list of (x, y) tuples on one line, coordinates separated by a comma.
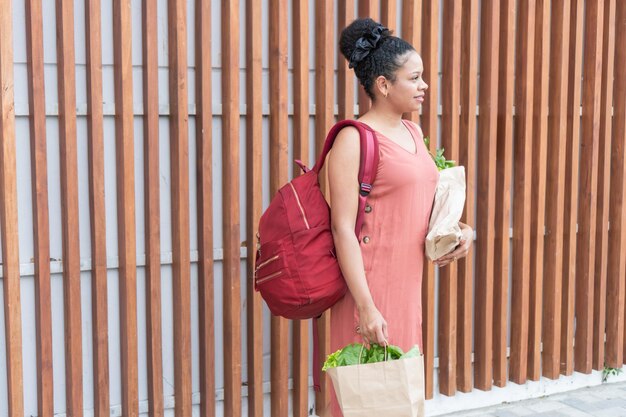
[(382, 84)]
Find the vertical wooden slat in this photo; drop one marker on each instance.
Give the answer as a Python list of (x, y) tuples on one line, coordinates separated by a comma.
[(278, 176), (467, 158), (522, 181), (301, 152), (126, 204), (152, 208), (428, 326), (430, 55), (429, 118), (617, 212), (204, 163), (571, 187), (39, 169), (231, 207), (97, 209), (8, 219), (69, 207), (485, 202), (254, 185), (451, 80), (389, 14), (324, 118), (367, 8), (412, 33), (122, 36), (603, 185), (345, 76), (324, 70), (555, 188), (538, 187), (301, 82), (179, 148), (590, 132), (504, 168)]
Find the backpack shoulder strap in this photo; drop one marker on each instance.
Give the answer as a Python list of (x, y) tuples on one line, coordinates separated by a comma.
[(367, 166), (367, 174)]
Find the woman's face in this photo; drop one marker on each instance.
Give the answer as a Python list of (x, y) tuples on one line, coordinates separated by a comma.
[(407, 92)]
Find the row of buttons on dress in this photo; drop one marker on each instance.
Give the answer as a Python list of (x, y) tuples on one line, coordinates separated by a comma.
[(368, 209), (366, 239)]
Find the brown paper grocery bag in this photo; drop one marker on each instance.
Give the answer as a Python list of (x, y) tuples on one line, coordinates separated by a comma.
[(393, 388), (444, 233)]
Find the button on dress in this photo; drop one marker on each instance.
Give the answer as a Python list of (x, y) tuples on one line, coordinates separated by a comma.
[(392, 246)]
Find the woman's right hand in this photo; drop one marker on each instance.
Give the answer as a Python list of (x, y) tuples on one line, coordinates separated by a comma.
[(372, 325)]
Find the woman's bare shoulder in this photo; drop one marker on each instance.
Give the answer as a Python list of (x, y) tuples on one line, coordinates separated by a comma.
[(347, 145)]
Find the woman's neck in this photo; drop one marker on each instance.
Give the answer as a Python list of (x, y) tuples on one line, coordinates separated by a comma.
[(382, 115)]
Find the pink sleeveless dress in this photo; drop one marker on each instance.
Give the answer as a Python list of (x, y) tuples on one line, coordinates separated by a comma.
[(392, 245)]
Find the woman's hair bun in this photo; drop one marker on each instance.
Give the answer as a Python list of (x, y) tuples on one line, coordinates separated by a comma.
[(359, 38), (372, 50)]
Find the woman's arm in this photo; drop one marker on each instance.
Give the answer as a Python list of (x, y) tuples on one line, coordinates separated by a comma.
[(343, 169)]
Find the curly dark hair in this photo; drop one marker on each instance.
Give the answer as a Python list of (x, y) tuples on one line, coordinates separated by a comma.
[(373, 51)]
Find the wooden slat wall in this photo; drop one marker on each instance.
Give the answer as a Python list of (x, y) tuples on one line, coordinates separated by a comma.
[(254, 176), (538, 186), (388, 14), (504, 168), (9, 237), (97, 209), (411, 32), (485, 195), (531, 59), (587, 209), (450, 121), (301, 152), (571, 187), (617, 215), (69, 206), (522, 181), (603, 185), (345, 76), (555, 188), (324, 119), (230, 207), (278, 176), (126, 204), (152, 208), (467, 158), (428, 119), (41, 227), (179, 150)]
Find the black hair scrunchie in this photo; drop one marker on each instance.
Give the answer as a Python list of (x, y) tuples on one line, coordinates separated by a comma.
[(365, 44)]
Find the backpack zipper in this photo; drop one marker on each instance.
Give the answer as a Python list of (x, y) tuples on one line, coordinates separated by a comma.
[(262, 264), (267, 278), (300, 206)]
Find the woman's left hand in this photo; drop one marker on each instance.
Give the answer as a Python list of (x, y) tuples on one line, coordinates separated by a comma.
[(461, 250)]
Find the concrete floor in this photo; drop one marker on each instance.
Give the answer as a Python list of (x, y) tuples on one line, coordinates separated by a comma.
[(607, 400)]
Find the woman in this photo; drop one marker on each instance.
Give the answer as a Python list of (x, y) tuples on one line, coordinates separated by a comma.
[(384, 269)]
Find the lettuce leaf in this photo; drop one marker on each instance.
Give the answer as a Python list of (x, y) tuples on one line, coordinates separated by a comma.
[(414, 352), (350, 354)]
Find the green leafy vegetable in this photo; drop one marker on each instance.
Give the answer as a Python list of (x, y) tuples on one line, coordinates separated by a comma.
[(332, 361), (350, 354), (440, 160), (394, 352), (414, 352)]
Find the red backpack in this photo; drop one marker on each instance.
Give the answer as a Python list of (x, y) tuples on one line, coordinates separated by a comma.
[(297, 272)]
